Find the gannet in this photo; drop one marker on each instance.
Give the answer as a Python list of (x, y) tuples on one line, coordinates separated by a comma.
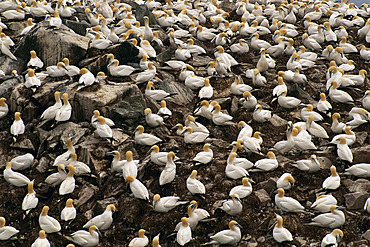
[(287, 204), (94, 119), (367, 205), (18, 127), (194, 185), (281, 234), (231, 236), (265, 165), (359, 170), (4, 109), (191, 137), (69, 212), (332, 239), (238, 87), (302, 139), (323, 203), (220, 118), (240, 48), (165, 204), (307, 111), (359, 115), (261, 115), (310, 43), (194, 82), (204, 110), (34, 61), (245, 129), (232, 170), (14, 14), (32, 81), (332, 182), (280, 88), (204, 35), (25, 30), (140, 241), (232, 207), (182, 54), (147, 75), (315, 129), (58, 177), (243, 190), (41, 241), (80, 167), (68, 184), (164, 111), (100, 43), (137, 188), (30, 201), (86, 238), (186, 70), (129, 167), (221, 68), (59, 70), (258, 79), (225, 57), (333, 219), (102, 129), (206, 156), (343, 151), (155, 94), (14, 178), (287, 101), (169, 172), (241, 162), (306, 55), (155, 241), (194, 49), (71, 69), (22, 162), (6, 232), (64, 112), (206, 92), (142, 138), (285, 181), (285, 145), (323, 105), (365, 53), (62, 159), (153, 120), (184, 234), (349, 136), (102, 221), (257, 44), (48, 223), (86, 79), (310, 165), (50, 112)]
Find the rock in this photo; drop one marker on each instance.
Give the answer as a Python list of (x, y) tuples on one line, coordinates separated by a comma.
[(123, 103), (366, 235), (25, 144), (268, 185), (141, 11), (43, 165), (43, 40), (85, 193), (8, 85), (355, 200), (165, 55), (277, 121), (361, 154), (263, 197), (7, 65), (325, 163), (361, 137), (360, 185), (261, 239), (183, 96), (301, 241), (78, 27)]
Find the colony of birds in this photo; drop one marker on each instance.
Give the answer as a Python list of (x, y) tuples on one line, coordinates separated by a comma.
[(182, 162)]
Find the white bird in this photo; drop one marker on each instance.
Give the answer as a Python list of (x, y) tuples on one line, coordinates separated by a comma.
[(339, 95), (332, 182), (232, 207), (240, 48), (332, 239), (265, 165), (137, 188), (86, 79), (86, 238), (59, 70), (4, 109), (182, 54), (359, 170), (80, 167), (165, 204), (18, 127), (279, 89), (261, 115), (307, 111), (191, 137), (51, 111), (102, 128), (119, 70), (72, 70), (155, 94), (349, 135), (41, 241), (6, 232), (58, 177), (323, 105), (343, 151), (309, 165), (367, 205), (142, 138), (333, 219), (32, 81), (287, 101), (315, 129), (337, 127), (22, 162), (140, 241), (248, 101), (280, 233), (184, 234), (100, 43), (152, 119), (94, 119), (206, 156), (155, 241), (30, 201), (323, 203), (164, 111), (146, 75), (206, 92), (220, 118), (69, 183), (194, 185), (238, 87), (48, 223), (231, 236), (169, 172), (285, 181), (243, 190), (14, 178), (34, 61), (233, 171), (65, 111), (102, 221), (69, 212), (287, 204)]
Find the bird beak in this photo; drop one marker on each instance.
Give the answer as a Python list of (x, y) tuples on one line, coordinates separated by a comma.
[(149, 151), (64, 67), (110, 154)]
